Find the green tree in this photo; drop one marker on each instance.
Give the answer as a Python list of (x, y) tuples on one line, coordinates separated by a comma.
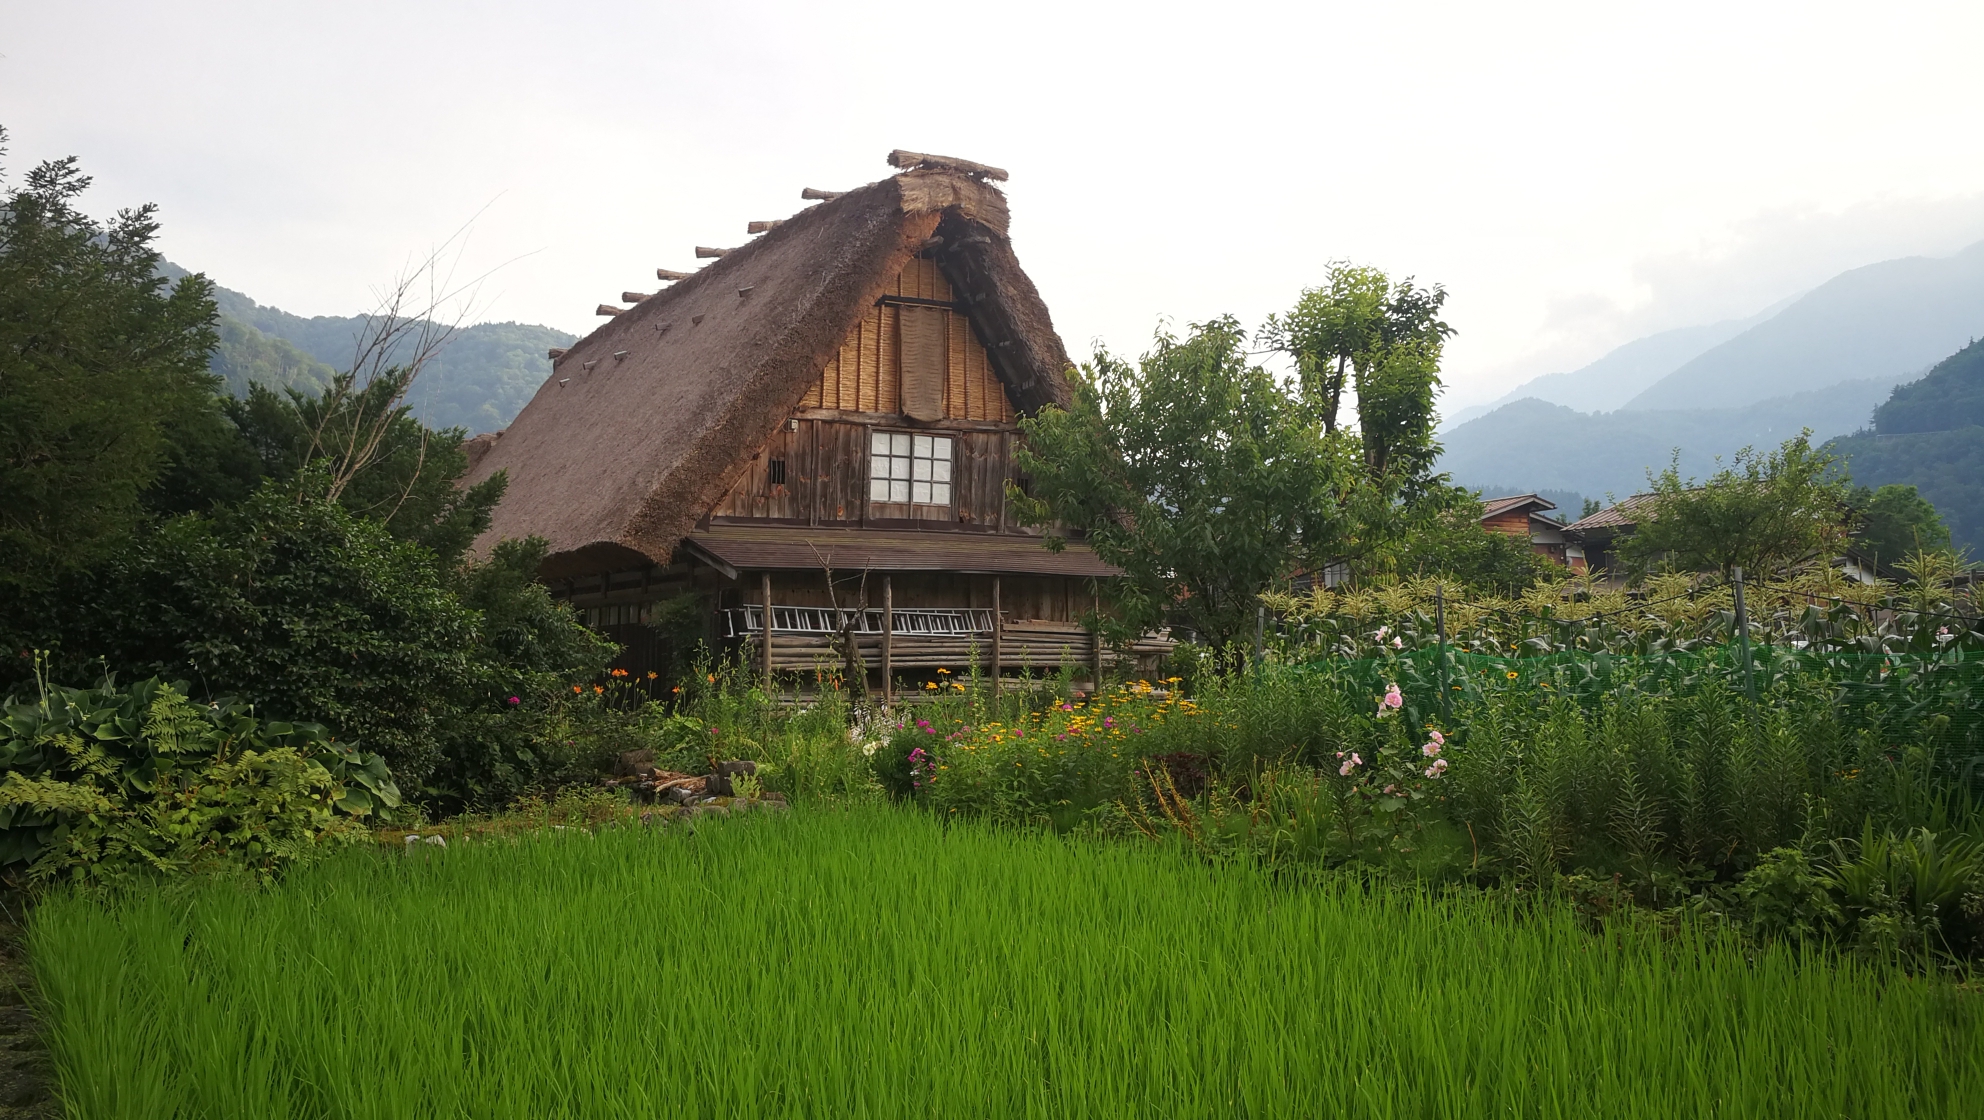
[(1441, 534), (101, 359), (1760, 513), (1896, 522), (1361, 331), (1193, 471), (383, 463)]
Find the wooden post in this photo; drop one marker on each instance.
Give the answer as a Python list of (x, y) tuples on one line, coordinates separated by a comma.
[(888, 642), (1095, 683), (765, 633), (998, 637)]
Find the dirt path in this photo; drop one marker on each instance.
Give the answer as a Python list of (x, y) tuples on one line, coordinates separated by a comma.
[(26, 1081)]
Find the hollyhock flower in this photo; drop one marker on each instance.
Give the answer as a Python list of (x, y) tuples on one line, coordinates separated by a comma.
[(1438, 768), (1434, 734), (1430, 750), (1349, 764), (1392, 701), (1380, 635), (1398, 643)]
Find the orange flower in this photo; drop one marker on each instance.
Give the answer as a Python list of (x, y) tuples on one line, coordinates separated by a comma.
[(597, 688), (576, 688), (652, 674)]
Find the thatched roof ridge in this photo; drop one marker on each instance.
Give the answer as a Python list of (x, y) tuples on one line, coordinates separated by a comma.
[(638, 430)]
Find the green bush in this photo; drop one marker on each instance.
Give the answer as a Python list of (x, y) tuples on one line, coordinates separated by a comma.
[(107, 784), (295, 604)]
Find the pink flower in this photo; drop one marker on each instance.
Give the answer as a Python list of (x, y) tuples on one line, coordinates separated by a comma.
[(514, 700), (1437, 737), (1392, 702), (1391, 789), (1398, 643), (1438, 768), (1344, 770), (1380, 635), (1430, 750)]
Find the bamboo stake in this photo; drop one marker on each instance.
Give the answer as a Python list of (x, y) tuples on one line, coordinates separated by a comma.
[(888, 642)]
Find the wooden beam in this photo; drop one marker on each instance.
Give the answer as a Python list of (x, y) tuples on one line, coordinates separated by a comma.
[(888, 643), (765, 635), (632, 297), (670, 274), (764, 227), (810, 194), (912, 160), (555, 353), (609, 309), (704, 251)]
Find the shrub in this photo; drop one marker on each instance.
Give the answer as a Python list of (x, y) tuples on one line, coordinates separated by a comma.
[(295, 604), (107, 784)]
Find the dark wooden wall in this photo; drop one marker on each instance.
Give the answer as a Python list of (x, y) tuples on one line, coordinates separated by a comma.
[(825, 464)]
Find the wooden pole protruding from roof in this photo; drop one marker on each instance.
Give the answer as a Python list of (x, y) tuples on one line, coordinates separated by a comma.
[(632, 297), (910, 161), (763, 227), (888, 642), (814, 194), (609, 309), (555, 353), (765, 633), (670, 274), (704, 251)]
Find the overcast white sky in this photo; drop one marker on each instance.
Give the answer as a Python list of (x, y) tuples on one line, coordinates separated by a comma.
[(1576, 174)]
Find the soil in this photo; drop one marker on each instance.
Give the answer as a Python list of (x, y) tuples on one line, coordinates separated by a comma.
[(27, 1082)]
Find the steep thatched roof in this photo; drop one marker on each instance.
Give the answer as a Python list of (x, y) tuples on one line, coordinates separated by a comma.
[(633, 436)]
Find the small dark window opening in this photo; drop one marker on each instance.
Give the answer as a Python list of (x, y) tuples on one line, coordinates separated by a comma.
[(1024, 484), (775, 473)]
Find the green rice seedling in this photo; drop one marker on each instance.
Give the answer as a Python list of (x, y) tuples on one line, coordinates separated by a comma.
[(880, 963)]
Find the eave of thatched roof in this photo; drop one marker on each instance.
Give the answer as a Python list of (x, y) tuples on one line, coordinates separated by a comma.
[(632, 438)]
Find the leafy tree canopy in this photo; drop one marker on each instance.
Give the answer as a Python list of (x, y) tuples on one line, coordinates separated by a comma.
[(100, 360), (1896, 521), (1194, 472), (1765, 510)]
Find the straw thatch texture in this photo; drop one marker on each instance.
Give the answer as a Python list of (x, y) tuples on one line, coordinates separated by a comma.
[(642, 422)]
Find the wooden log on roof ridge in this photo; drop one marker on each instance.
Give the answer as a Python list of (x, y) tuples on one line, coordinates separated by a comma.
[(609, 309), (670, 274), (556, 353), (632, 297), (704, 251), (763, 227), (813, 194), (909, 161)]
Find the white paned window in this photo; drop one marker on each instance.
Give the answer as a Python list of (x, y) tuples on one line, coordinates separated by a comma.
[(909, 467)]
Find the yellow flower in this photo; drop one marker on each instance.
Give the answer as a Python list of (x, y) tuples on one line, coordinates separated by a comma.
[(931, 685), (1512, 674)]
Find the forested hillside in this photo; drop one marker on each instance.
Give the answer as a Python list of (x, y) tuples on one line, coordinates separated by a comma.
[(479, 381), (1550, 446), (1930, 434)]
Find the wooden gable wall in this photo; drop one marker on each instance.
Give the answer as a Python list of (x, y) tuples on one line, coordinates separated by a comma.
[(866, 375)]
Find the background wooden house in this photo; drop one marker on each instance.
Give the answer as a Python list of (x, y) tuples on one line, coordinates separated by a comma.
[(1527, 516), (821, 423)]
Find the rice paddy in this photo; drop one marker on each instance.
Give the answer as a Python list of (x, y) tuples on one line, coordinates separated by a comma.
[(873, 963)]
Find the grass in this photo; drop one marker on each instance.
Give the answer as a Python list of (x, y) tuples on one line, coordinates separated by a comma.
[(873, 963)]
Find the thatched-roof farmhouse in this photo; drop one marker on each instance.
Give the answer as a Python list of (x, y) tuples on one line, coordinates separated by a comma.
[(821, 420)]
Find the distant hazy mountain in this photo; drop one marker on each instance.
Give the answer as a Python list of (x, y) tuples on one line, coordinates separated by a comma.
[(1885, 321), (479, 381), (1621, 374), (1551, 446), (1930, 434)]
